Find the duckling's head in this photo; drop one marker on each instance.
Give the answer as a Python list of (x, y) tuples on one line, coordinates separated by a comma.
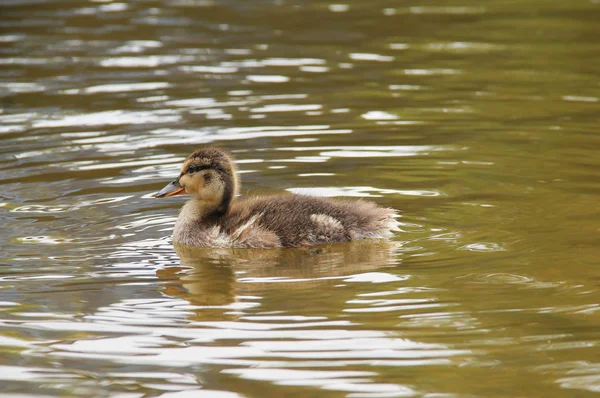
[(210, 175)]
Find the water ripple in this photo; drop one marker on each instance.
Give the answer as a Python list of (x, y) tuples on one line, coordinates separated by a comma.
[(481, 134)]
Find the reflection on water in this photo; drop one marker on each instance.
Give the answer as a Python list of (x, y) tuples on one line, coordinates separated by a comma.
[(221, 275), (477, 121)]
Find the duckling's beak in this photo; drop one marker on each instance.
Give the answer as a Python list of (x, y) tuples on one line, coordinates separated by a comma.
[(173, 188)]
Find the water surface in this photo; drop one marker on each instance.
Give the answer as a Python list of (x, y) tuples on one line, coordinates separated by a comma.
[(477, 120)]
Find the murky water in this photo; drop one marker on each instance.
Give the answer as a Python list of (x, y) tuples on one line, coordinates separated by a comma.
[(479, 121)]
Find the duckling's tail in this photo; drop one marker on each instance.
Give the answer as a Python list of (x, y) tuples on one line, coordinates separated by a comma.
[(387, 224), (378, 222)]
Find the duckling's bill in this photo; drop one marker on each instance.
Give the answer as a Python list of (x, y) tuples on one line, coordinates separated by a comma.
[(173, 188)]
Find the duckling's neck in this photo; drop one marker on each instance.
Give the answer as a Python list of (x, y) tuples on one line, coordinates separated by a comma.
[(197, 210)]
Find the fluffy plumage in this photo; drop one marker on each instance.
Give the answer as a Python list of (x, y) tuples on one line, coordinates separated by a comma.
[(213, 218)]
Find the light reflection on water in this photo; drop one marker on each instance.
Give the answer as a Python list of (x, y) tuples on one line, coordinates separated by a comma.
[(483, 136), (269, 337)]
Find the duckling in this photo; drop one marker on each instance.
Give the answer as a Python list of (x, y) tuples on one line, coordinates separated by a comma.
[(215, 218)]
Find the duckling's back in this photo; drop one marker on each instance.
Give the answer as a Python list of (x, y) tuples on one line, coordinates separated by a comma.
[(292, 220)]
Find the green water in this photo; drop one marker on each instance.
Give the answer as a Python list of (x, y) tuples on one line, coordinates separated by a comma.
[(477, 120)]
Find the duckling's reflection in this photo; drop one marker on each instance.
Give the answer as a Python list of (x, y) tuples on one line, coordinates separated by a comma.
[(218, 277)]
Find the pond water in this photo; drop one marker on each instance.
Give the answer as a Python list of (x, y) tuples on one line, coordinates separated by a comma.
[(477, 120)]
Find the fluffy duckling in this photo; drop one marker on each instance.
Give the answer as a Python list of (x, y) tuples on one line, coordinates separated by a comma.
[(214, 218)]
